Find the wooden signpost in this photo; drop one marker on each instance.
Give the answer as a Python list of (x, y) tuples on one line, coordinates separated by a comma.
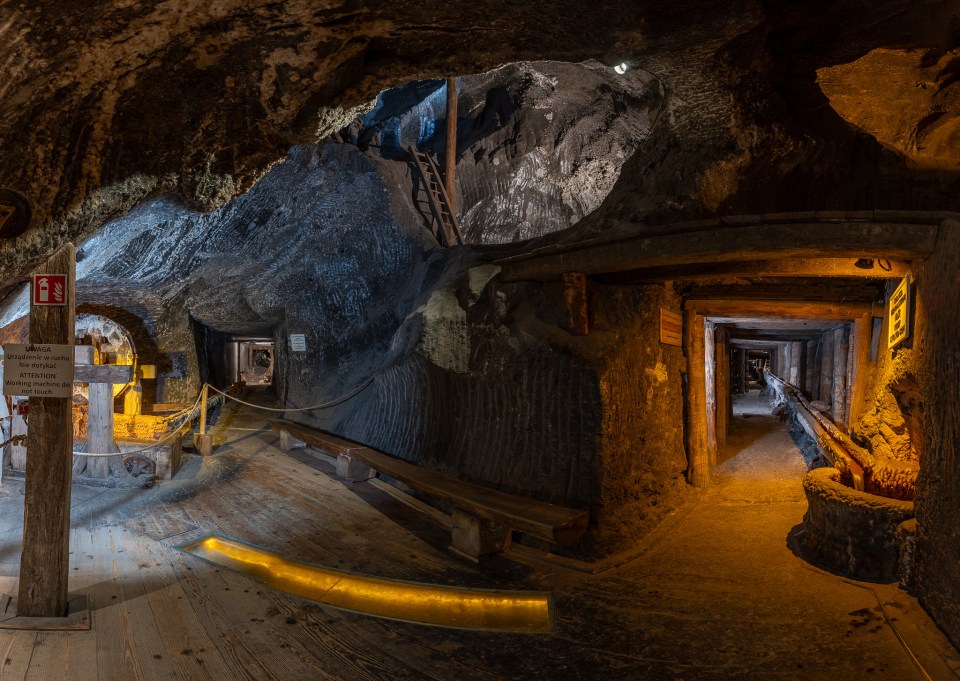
[(44, 564), (671, 328)]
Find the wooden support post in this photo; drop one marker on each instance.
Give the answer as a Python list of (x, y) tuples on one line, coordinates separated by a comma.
[(796, 359), (826, 367), (575, 300), (203, 441), (840, 374), (133, 400), (724, 404), (100, 432), (851, 360), (100, 428), (450, 162), (710, 386), (698, 457), (862, 332), (810, 366), (476, 538), (742, 358), (44, 563)]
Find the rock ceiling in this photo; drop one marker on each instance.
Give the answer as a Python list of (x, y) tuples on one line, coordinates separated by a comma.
[(106, 103)]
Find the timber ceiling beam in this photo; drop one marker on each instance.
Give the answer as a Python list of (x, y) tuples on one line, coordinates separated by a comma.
[(779, 309), (773, 335), (758, 344), (727, 244), (833, 268), (736, 324)]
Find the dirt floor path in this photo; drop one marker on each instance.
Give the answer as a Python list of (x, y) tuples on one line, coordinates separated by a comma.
[(714, 593)]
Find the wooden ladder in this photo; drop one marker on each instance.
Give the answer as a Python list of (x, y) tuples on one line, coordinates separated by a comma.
[(444, 226)]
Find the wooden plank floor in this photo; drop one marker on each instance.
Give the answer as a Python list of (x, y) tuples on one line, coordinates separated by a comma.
[(161, 614)]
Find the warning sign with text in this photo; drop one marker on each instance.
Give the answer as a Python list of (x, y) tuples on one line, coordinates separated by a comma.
[(898, 322), (38, 370)]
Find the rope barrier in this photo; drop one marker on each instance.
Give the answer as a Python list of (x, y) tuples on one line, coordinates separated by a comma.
[(189, 413), (17, 440), (325, 405)]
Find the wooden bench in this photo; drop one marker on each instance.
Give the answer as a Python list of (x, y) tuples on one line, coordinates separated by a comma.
[(482, 517)]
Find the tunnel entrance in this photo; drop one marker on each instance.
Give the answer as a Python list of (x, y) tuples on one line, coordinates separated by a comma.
[(242, 361), (254, 362)]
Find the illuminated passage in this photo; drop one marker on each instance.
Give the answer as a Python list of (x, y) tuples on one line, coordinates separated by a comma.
[(519, 611)]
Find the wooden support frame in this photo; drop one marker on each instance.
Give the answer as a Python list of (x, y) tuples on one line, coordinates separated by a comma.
[(840, 352), (826, 367), (698, 456), (710, 387), (724, 401), (450, 159), (721, 309), (693, 244), (862, 332), (44, 563), (203, 441), (779, 268)]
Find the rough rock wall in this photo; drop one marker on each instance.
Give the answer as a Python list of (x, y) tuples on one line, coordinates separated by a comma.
[(540, 144), (109, 103), (891, 425), (907, 99), (643, 458), (500, 393), (487, 402), (317, 247), (937, 500)]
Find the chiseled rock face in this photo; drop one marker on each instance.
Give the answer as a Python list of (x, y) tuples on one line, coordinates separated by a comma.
[(540, 144), (107, 103), (908, 99), (317, 247)]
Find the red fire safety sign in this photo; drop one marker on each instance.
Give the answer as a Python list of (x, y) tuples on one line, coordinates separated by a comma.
[(49, 289)]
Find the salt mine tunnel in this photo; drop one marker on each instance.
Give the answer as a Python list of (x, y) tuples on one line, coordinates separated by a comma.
[(567, 340)]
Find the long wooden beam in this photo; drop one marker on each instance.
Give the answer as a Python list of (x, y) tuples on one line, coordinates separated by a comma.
[(775, 337), (698, 455), (779, 268), (753, 344), (779, 309), (45, 560), (891, 241)]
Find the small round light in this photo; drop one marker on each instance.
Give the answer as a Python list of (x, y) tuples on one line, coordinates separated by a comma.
[(621, 68)]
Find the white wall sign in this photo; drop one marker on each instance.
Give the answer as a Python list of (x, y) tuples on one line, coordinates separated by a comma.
[(38, 370), (898, 315), (298, 342)]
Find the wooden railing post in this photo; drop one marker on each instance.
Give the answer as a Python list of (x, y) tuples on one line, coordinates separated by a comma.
[(202, 440)]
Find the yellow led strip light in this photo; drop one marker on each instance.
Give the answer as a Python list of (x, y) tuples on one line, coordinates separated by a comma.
[(517, 611)]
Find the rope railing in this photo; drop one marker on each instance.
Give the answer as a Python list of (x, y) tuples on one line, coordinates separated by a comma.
[(324, 405), (188, 415)]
